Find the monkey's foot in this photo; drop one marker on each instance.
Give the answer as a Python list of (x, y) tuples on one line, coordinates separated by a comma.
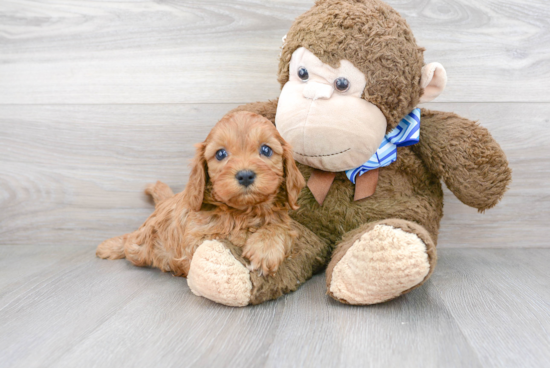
[(380, 263), (217, 275)]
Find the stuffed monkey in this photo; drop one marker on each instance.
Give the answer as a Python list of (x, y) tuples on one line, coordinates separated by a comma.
[(352, 77)]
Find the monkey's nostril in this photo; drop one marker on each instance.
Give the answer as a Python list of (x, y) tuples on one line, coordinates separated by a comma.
[(245, 177), (316, 91)]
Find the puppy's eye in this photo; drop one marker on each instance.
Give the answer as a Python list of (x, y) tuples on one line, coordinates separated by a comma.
[(303, 74), (342, 84), (266, 151), (221, 154)]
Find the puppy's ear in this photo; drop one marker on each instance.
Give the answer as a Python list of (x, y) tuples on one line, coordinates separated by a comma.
[(194, 191), (294, 180)]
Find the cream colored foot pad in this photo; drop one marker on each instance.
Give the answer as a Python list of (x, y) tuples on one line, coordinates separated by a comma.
[(379, 266), (215, 274)]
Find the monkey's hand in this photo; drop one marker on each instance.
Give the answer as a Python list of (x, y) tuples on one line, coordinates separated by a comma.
[(466, 156)]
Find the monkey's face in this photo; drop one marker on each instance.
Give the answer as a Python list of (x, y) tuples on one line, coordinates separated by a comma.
[(322, 114)]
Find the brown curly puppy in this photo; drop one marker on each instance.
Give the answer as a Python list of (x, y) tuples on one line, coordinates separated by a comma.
[(242, 184)]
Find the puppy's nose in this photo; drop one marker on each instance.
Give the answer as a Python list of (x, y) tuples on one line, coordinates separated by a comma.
[(245, 177)]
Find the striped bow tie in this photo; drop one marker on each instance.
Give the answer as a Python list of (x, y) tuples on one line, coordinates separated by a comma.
[(406, 133)]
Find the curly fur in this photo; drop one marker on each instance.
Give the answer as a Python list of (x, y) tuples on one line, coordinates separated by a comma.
[(215, 206)]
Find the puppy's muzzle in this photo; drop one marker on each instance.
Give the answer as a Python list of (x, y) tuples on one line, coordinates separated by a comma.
[(245, 177)]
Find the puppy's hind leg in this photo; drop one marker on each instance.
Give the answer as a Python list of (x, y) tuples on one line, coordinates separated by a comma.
[(159, 191), (112, 248)]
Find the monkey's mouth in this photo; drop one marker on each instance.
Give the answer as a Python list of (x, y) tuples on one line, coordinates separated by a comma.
[(330, 154)]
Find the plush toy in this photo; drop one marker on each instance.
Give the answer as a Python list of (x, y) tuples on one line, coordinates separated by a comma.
[(352, 76)]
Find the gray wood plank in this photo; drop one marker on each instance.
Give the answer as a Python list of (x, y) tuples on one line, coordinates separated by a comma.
[(75, 174), (56, 159), (482, 307), (501, 301), (20, 263), (57, 52), (413, 331), (49, 312), (168, 326)]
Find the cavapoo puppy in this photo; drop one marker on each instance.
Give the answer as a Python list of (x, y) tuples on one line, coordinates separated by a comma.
[(242, 183)]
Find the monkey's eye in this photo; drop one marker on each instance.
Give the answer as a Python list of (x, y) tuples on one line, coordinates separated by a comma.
[(221, 154), (303, 74), (341, 84), (266, 151)]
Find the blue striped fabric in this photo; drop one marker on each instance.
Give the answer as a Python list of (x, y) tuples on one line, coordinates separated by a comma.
[(406, 133)]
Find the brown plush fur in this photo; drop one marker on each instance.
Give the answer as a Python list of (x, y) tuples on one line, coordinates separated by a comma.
[(215, 206), (310, 255), (409, 189), (375, 38), (465, 156)]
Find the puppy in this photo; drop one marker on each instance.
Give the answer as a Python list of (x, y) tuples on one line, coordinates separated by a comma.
[(242, 183)]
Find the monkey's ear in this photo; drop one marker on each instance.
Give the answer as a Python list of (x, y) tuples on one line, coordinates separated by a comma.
[(434, 79), (294, 180), (194, 190)]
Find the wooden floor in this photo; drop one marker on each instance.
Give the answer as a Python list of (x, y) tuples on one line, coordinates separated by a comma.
[(99, 98), (62, 307)]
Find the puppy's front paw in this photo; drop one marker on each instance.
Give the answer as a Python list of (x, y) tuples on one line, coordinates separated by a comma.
[(264, 257)]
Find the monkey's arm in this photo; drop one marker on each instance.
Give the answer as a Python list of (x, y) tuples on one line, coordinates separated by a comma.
[(466, 156), (266, 109)]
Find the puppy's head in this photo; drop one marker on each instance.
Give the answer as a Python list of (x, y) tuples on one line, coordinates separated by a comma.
[(247, 163)]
